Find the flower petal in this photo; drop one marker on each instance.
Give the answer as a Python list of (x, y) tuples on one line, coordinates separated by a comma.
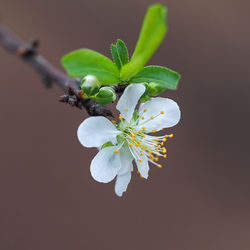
[(143, 167), (95, 131), (129, 99), (126, 161), (154, 107), (105, 165), (122, 182)]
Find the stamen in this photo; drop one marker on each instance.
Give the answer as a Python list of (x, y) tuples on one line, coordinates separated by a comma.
[(120, 117), (159, 166), (126, 108), (165, 156), (151, 117), (142, 117), (171, 136), (116, 151), (162, 112), (131, 145), (143, 128), (145, 110), (154, 130)]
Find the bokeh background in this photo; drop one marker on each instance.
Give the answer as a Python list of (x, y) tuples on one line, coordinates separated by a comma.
[(199, 200)]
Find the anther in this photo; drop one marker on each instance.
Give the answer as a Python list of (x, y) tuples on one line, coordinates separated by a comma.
[(164, 139), (162, 112), (156, 139), (116, 151), (139, 131), (171, 136), (143, 128), (142, 117), (165, 156), (145, 110), (126, 108), (152, 117), (120, 117), (159, 166), (131, 145), (154, 130)]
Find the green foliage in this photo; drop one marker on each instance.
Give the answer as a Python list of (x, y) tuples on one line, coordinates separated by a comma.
[(107, 144), (164, 77), (152, 33), (105, 96), (84, 62), (120, 53)]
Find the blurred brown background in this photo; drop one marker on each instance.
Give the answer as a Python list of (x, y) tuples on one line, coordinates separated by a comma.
[(199, 201)]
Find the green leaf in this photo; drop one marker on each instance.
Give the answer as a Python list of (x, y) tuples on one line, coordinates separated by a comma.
[(115, 55), (152, 33), (107, 144), (120, 53), (84, 62), (165, 77)]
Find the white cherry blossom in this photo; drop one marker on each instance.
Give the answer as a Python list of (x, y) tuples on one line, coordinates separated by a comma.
[(130, 140)]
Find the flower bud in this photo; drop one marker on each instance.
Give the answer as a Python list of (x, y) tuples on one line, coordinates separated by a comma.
[(90, 85), (106, 95), (155, 89)]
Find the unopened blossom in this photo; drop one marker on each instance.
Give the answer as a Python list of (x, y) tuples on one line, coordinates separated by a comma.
[(131, 140)]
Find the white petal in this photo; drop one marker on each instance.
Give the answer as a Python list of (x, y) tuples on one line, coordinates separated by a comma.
[(105, 165), (129, 99), (122, 182), (143, 167), (95, 131), (154, 107), (126, 161)]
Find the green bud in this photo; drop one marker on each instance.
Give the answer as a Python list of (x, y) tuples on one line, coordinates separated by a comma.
[(155, 89), (90, 85), (105, 96)]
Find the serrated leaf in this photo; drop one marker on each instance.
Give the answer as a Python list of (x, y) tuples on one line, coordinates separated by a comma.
[(163, 76), (152, 33), (119, 53), (115, 55), (84, 62)]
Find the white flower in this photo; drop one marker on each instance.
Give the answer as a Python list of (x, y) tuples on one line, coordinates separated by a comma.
[(130, 139)]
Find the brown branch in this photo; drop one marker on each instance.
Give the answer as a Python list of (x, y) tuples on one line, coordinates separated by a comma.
[(48, 73)]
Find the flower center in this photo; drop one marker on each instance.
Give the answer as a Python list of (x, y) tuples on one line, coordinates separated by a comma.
[(142, 146)]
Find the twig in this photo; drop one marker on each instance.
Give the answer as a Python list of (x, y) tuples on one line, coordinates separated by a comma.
[(49, 74)]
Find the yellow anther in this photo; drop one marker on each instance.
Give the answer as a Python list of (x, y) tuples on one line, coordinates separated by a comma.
[(142, 154), (145, 110), (159, 146), (171, 136), (157, 159), (159, 166), (120, 117), (162, 143), (140, 160), (164, 150), (166, 136), (131, 145), (131, 134), (152, 117), (141, 146), (142, 117), (141, 176), (162, 112), (154, 130), (164, 139), (165, 156), (134, 132), (138, 172), (143, 128), (126, 108), (142, 135), (156, 139), (136, 144), (139, 131), (133, 139), (116, 151)]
